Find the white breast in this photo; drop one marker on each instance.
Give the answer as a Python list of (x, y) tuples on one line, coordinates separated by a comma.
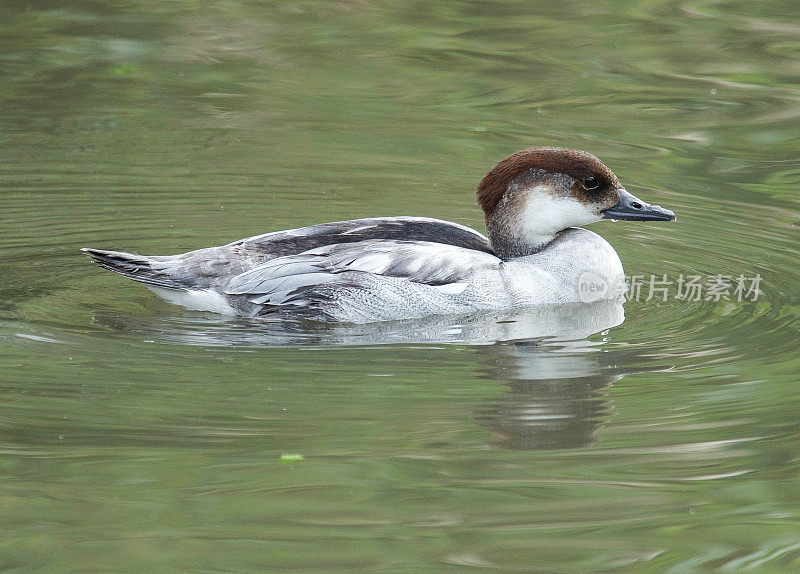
[(555, 274)]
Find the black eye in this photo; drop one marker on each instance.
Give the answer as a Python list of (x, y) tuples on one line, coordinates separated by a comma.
[(591, 183)]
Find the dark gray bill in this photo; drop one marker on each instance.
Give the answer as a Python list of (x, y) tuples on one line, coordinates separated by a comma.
[(631, 208)]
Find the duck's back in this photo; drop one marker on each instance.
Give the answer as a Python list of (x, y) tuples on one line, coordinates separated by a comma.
[(305, 270)]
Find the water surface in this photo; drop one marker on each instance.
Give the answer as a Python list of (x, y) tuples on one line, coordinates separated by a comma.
[(139, 436)]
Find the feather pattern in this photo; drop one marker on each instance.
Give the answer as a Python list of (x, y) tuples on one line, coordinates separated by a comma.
[(285, 278), (293, 241), (345, 270)]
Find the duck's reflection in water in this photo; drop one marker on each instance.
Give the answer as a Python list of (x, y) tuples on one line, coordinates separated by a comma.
[(561, 322), (554, 374), (555, 398)]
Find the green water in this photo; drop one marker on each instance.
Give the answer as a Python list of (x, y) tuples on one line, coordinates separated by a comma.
[(138, 436)]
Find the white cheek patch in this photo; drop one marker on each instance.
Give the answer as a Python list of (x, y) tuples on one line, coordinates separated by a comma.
[(544, 215)]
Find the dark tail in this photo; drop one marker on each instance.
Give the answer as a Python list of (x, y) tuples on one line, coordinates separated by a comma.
[(136, 267)]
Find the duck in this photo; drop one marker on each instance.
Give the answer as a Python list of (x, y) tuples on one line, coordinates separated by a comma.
[(535, 252)]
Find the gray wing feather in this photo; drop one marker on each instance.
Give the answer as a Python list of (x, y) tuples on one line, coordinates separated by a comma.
[(436, 264), (256, 263), (294, 241)]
